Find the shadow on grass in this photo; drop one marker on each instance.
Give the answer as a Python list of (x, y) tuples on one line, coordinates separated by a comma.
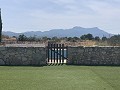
[(93, 65), (58, 64), (23, 65)]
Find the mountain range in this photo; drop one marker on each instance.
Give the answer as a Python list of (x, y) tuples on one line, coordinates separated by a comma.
[(72, 32)]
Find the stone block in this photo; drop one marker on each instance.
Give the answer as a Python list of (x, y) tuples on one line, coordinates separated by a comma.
[(2, 48), (2, 62)]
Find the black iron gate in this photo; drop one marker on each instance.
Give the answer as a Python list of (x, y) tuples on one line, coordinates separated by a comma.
[(57, 54)]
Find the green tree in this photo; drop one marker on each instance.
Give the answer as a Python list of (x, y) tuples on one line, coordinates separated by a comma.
[(87, 37), (54, 38), (97, 38), (69, 38), (83, 37), (44, 39), (34, 38), (114, 40), (22, 38), (104, 38), (0, 26), (75, 38)]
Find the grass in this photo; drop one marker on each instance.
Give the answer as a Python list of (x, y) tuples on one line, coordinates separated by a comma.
[(60, 78)]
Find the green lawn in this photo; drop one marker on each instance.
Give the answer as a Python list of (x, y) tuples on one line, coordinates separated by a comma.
[(60, 78)]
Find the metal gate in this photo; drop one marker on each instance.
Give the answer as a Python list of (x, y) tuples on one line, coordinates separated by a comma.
[(57, 54)]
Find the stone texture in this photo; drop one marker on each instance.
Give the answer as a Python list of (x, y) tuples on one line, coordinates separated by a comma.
[(94, 55), (76, 56), (23, 56), (2, 62)]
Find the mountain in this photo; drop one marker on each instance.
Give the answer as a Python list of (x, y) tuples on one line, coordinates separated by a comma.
[(73, 32), (9, 33)]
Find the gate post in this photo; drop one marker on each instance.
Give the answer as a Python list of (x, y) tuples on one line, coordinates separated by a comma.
[(48, 54), (63, 53), (51, 51), (54, 53), (59, 53)]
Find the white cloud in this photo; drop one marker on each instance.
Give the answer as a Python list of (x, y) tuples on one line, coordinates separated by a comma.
[(20, 15)]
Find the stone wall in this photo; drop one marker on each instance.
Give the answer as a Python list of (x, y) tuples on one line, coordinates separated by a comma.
[(94, 55), (36, 56), (22, 56)]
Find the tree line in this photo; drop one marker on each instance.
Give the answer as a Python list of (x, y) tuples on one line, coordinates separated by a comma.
[(113, 40)]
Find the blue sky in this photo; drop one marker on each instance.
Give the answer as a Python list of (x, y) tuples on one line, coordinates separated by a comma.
[(42, 15)]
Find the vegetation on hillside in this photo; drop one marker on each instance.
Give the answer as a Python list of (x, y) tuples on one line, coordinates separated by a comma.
[(84, 40)]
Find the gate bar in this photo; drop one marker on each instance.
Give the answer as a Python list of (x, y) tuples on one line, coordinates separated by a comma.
[(48, 52), (67, 52), (54, 53), (62, 53), (57, 53), (51, 52)]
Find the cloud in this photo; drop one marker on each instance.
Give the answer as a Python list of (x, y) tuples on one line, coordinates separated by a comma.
[(47, 14)]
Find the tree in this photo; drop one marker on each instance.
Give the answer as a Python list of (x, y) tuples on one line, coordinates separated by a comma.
[(83, 37), (114, 40), (75, 38), (0, 26), (90, 36), (44, 39), (97, 38), (55, 39), (104, 38), (87, 37), (22, 37), (69, 38)]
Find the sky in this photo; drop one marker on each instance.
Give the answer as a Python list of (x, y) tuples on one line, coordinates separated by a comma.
[(44, 15)]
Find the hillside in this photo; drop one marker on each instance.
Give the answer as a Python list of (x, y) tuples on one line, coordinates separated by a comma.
[(73, 32)]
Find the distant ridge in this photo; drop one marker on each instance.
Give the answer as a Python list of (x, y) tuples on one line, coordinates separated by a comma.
[(72, 32)]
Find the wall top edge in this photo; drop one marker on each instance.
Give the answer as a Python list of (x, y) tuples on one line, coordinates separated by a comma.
[(20, 47), (68, 46), (91, 46)]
